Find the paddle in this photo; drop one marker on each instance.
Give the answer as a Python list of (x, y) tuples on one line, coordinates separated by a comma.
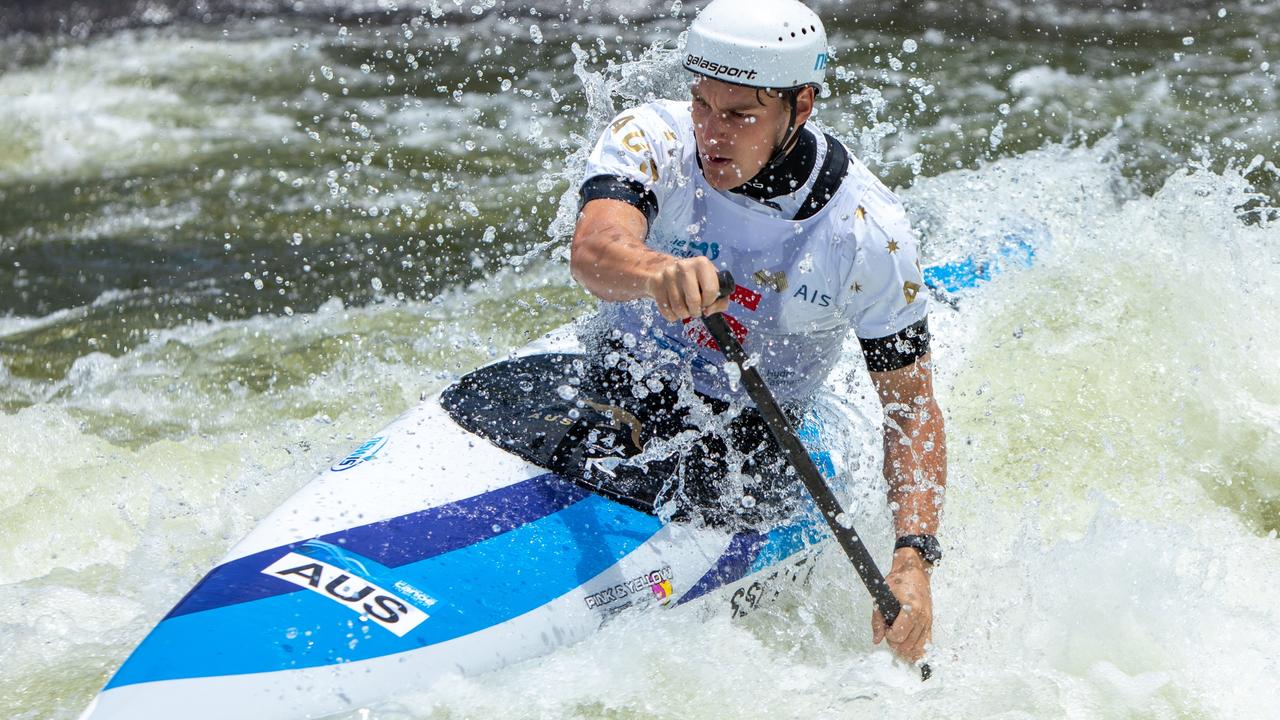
[(780, 427)]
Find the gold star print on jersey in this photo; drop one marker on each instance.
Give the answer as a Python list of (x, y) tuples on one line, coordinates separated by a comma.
[(777, 281), (892, 247)]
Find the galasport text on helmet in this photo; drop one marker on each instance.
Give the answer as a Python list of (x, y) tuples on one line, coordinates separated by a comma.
[(777, 44)]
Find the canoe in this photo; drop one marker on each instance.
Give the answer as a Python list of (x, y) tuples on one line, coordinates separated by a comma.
[(437, 547)]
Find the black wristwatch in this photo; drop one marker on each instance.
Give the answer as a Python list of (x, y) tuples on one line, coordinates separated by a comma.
[(926, 545)]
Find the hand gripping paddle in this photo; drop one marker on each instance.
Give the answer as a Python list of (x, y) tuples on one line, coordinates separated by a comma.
[(785, 435)]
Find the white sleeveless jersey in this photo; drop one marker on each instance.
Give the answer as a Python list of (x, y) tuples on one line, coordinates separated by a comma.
[(802, 285)]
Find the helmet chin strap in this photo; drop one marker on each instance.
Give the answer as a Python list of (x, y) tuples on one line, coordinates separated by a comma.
[(780, 152)]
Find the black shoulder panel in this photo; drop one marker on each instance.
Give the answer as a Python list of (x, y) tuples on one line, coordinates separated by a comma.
[(612, 187), (898, 350), (834, 168)]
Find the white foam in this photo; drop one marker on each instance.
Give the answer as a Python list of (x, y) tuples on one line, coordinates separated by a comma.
[(107, 107)]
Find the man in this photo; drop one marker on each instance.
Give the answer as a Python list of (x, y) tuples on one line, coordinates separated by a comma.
[(737, 181)]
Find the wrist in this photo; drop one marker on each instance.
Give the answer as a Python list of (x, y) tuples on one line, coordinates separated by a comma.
[(924, 548), (909, 559)]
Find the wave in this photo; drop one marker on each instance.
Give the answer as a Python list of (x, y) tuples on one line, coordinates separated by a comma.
[(80, 18)]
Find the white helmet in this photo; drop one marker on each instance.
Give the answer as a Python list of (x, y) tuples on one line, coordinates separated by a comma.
[(778, 44)]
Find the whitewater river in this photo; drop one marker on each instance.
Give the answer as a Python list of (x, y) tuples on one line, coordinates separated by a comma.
[(232, 247)]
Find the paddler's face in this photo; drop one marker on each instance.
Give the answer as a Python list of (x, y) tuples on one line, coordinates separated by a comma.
[(737, 128)]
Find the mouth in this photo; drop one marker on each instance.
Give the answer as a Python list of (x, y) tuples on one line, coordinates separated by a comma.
[(716, 161)]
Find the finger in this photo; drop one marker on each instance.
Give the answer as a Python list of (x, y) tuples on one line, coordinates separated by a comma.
[(663, 299), (877, 627), (691, 291), (910, 647), (656, 287), (673, 291), (660, 299), (901, 628), (709, 287), (913, 649)]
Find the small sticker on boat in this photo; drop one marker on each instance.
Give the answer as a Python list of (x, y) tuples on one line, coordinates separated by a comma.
[(656, 582), (362, 454), (370, 601)]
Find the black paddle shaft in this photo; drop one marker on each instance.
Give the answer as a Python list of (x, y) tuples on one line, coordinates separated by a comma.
[(785, 435)]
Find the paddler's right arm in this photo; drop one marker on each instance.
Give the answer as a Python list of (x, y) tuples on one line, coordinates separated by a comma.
[(626, 183), (611, 260)]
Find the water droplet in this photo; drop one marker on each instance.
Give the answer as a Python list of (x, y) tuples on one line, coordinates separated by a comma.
[(567, 392), (327, 72), (376, 283), (1188, 41), (733, 374), (535, 32), (748, 501), (1222, 12), (997, 135), (844, 521), (1004, 108), (909, 46)]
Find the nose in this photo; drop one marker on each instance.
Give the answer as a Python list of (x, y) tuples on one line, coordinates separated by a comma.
[(715, 131)]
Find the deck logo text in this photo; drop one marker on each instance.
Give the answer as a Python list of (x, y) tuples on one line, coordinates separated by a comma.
[(656, 583)]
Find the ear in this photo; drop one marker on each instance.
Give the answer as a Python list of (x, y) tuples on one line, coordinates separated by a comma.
[(804, 104)]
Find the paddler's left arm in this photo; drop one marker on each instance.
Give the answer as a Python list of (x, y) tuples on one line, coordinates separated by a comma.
[(915, 466)]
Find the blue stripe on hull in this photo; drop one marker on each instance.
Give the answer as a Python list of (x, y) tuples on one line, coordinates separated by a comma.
[(734, 564), (1017, 249), (394, 542), (476, 587)]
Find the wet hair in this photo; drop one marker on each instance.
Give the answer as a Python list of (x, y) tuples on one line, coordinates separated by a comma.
[(789, 96)]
